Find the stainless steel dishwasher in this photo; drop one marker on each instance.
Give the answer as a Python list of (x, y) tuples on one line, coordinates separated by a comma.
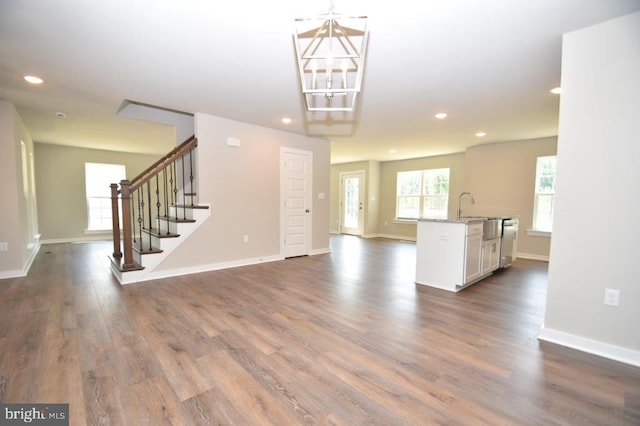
[(508, 246)]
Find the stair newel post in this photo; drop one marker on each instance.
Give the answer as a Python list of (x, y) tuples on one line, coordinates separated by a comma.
[(115, 221), (125, 194)]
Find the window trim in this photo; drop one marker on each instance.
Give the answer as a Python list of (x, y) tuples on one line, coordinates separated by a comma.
[(535, 230), (422, 197)]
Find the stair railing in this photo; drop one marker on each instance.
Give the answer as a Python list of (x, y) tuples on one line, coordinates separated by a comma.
[(148, 199)]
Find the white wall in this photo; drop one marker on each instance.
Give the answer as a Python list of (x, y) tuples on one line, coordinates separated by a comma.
[(242, 184), (596, 239), (18, 217)]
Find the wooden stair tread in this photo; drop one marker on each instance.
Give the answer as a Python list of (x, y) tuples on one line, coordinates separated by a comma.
[(194, 206), (156, 233), (142, 251), (177, 220), (118, 263)]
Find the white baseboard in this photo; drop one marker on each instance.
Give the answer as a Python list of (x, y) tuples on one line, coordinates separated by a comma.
[(18, 273), (135, 277), (32, 257), (320, 251), (12, 273), (156, 275), (605, 350), (397, 237), (77, 240), (533, 256)]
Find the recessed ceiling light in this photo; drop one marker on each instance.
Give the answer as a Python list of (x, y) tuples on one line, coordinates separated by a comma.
[(556, 90), (481, 134), (392, 151), (441, 115), (33, 79), (286, 120)]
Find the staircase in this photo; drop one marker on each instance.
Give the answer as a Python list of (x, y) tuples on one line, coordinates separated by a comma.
[(158, 210)]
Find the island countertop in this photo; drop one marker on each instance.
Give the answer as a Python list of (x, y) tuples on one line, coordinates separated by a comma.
[(455, 220), (464, 219)]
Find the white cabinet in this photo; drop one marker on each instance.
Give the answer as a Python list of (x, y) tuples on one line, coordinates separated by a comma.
[(451, 254), (490, 255), (473, 253)]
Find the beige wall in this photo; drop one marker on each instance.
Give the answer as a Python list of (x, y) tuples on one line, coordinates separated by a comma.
[(388, 174), (18, 220), (595, 244), (501, 177), (242, 185), (371, 197), (60, 184)]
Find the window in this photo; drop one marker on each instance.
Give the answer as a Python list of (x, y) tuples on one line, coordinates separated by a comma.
[(544, 193), (422, 193), (98, 177)]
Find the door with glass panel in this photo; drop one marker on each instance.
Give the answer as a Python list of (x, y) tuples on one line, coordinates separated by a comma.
[(352, 203)]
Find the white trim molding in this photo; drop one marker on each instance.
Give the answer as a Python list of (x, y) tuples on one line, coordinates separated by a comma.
[(396, 237), (76, 240), (156, 275), (536, 233), (533, 256), (19, 273), (12, 273), (605, 350), (315, 252)]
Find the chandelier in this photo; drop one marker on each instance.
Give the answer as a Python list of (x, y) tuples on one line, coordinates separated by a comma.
[(330, 50)]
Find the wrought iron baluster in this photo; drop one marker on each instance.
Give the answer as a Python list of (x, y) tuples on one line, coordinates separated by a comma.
[(149, 207), (184, 192), (174, 185), (166, 199), (158, 203), (191, 192), (141, 214)]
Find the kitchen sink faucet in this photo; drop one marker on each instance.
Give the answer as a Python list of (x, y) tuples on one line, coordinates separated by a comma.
[(460, 201)]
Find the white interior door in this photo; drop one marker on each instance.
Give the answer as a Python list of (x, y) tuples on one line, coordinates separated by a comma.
[(352, 203), (295, 193)]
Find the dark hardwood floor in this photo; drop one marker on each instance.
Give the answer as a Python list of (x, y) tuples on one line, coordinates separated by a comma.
[(344, 338)]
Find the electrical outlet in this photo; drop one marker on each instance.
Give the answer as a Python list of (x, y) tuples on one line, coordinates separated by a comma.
[(4, 246), (245, 239), (611, 297)]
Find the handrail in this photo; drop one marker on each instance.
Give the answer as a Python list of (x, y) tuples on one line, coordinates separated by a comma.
[(142, 210), (173, 155)]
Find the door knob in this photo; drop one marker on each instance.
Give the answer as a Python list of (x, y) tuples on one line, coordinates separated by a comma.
[(306, 210)]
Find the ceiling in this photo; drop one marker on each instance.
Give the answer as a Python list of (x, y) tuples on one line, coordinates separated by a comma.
[(489, 64)]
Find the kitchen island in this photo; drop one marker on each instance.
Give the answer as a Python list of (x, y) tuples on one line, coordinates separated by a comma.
[(452, 254)]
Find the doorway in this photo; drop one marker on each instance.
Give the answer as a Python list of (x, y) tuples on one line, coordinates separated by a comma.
[(352, 202), (295, 192)]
